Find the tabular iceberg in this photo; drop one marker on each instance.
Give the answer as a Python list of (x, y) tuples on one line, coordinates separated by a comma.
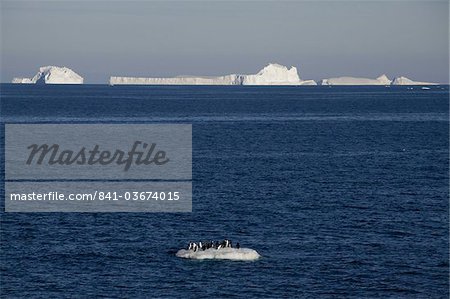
[(406, 81), (272, 74), (52, 75), (181, 80), (22, 80), (381, 80)]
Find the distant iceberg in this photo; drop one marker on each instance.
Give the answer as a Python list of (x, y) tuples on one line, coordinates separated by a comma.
[(181, 80), (406, 81), (22, 81), (52, 75), (272, 74), (381, 80), (276, 74)]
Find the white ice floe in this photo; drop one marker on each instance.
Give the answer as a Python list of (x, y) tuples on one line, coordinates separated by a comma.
[(241, 254), (52, 75), (272, 74)]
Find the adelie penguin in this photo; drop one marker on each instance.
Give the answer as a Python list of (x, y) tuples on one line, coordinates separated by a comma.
[(212, 244)]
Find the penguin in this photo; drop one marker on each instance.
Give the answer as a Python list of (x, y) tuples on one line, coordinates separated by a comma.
[(238, 245), (190, 246)]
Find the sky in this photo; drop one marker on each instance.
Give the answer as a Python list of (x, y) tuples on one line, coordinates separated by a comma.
[(167, 38)]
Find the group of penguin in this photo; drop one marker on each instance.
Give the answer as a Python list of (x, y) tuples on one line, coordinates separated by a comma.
[(212, 244)]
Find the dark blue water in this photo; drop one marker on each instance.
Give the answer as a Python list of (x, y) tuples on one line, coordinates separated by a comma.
[(343, 191)]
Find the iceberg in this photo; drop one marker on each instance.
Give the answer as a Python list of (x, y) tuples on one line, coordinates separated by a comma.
[(241, 254), (405, 81), (276, 74), (52, 75), (272, 74), (22, 80), (180, 80), (381, 80)]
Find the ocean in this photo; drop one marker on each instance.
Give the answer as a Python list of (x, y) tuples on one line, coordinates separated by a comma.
[(344, 191)]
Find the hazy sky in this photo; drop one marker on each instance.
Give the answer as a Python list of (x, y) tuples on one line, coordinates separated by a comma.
[(155, 38)]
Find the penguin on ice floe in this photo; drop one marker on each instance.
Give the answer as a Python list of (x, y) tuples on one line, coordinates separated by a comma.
[(212, 244), (228, 243)]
